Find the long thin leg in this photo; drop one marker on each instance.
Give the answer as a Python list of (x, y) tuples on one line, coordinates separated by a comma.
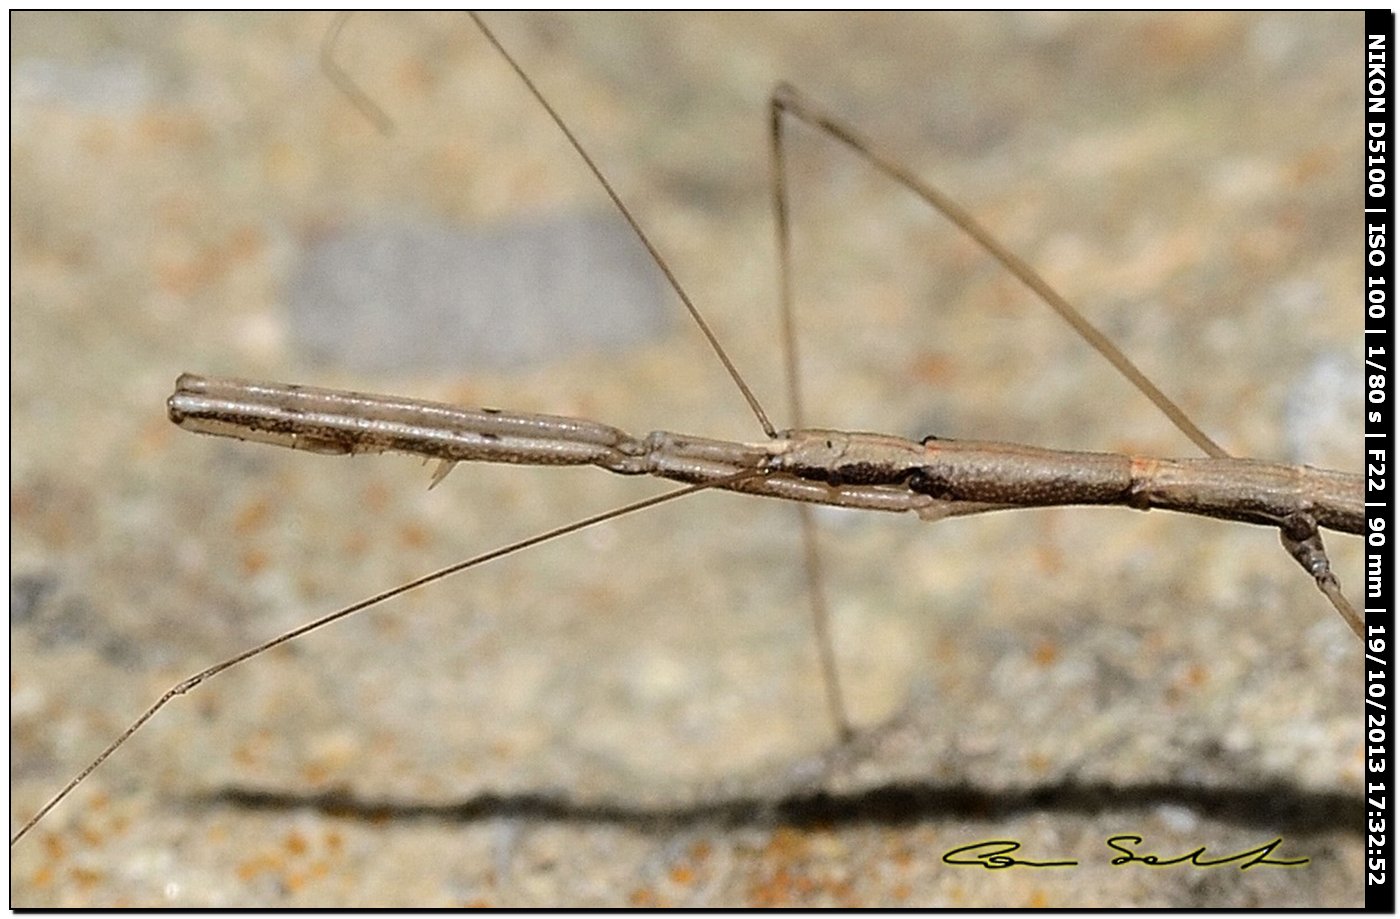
[(641, 235), (821, 623), (345, 83), (807, 523), (189, 683), (811, 535), (385, 125), (786, 100)]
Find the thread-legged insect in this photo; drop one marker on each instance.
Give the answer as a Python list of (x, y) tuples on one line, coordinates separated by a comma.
[(1081, 608)]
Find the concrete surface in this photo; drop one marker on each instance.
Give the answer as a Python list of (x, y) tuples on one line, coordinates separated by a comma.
[(633, 716)]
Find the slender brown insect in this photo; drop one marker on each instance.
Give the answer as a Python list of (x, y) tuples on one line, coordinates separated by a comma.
[(936, 478), (965, 686)]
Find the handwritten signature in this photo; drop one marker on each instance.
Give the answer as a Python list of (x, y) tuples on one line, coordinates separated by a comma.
[(995, 854)]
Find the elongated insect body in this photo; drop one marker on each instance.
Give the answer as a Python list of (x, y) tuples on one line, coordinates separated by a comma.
[(633, 713), (863, 471)]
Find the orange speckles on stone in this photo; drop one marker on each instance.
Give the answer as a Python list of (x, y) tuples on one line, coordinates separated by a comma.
[(294, 878), (23, 503), (53, 846), (315, 773), (244, 243), (166, 129), (1310, 166), (295, 843), (252, 516), (683, 875), (250, 751), (375, 497), (844, 893), (786, 843), (1045, 653), (1187, 682), (1038, 763), (773, 891), (43, 877), (1049, 559), (253, 561), (414, 536), (178, 279), (600, 597), (643, 897), (249, 869), (414, 75), (154, 436), (1038, 900), (334, 841), (464, 394), (183, 277), (792, 873), (933, 369), (86, 877), (1185, 41), (356, 543)]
